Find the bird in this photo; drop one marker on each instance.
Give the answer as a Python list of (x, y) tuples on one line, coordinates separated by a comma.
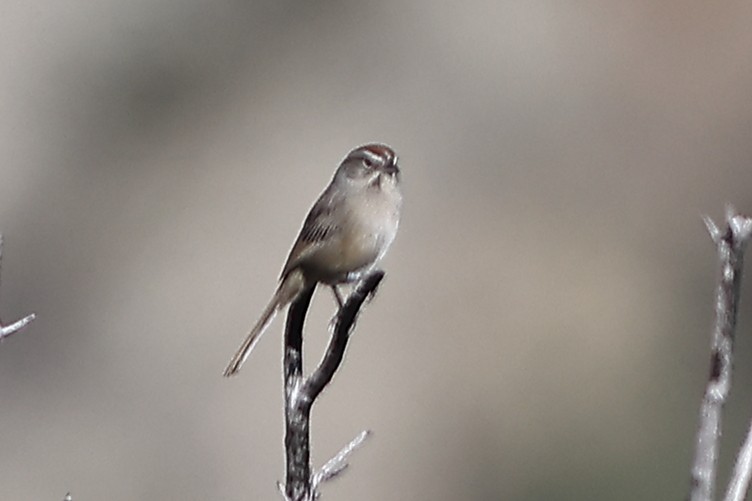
[(347, 231)]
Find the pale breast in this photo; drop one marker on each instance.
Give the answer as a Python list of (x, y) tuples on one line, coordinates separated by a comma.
[(365, 232), (372, 226)]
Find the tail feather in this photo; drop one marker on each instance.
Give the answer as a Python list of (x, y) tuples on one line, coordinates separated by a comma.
[(288, 290)]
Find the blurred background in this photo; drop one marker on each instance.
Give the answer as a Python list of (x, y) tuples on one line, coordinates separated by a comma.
[(543, 330)]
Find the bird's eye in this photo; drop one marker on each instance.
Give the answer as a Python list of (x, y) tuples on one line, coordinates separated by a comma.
[(369, 163), (355, 170)]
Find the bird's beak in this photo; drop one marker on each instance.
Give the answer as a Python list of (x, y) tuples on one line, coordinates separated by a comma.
[(391, 168)]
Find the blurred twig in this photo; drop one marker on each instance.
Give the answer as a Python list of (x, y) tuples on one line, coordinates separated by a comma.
[(338, 463), (730, 243), (300, 392), (7, 330), (739, 482)]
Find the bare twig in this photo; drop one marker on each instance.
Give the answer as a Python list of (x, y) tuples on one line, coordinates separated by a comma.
[(7, 330), (730, 243), (300, 392), (740, 477), (338, 463)]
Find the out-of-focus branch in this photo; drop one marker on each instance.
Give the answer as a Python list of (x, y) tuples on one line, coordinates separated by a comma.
[(739, 482), (7, 330), (300, 392), (730, 243), (338, 463)]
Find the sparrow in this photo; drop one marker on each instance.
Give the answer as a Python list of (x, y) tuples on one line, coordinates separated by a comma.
[(346, 233)]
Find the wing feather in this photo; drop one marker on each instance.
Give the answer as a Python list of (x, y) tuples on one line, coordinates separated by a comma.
[(319, 226)]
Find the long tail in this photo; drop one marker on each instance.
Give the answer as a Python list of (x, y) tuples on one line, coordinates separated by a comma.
[(289, 289)]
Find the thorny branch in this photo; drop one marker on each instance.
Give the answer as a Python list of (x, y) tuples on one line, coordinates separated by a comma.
[(300, 392)]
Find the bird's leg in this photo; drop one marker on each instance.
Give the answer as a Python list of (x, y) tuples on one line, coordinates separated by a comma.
[(337, 296)]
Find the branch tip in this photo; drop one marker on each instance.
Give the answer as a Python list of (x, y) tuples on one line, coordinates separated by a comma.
[(715, 233), (741, 228), (730, 243), (730, 211), (7, 330), (339, 463)]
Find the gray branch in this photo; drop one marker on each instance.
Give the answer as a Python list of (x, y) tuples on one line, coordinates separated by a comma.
[(730, 243), (338, 463), (739, 482), (7, 330), (300, 392)]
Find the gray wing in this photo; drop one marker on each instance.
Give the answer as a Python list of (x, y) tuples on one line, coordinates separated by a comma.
[(320, 225)]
